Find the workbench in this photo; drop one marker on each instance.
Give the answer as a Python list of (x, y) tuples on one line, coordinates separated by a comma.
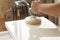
[(19, 30)]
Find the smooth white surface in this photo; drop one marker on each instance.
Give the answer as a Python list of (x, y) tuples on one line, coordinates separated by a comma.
[(5, 36), (22, 31), (50, 38)]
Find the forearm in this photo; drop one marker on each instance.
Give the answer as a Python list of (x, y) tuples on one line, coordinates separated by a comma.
[(50, 9), (53, 10)]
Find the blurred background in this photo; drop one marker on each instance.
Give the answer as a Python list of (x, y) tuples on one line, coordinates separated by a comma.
[(8, 16)]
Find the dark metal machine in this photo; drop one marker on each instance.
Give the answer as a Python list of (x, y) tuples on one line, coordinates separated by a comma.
[(19, 10)]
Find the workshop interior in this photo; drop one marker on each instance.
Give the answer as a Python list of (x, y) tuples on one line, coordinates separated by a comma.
[(18, 22)]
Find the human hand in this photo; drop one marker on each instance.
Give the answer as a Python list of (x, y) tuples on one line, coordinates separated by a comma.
[(34, 6), (37, 7), (49, 9)]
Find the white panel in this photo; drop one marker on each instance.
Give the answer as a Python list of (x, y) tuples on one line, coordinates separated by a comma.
[(50, 38)]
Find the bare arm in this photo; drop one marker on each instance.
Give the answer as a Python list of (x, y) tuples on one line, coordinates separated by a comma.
[(50, 9)]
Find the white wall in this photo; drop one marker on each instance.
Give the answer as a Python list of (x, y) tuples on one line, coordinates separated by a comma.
[(57, 1)]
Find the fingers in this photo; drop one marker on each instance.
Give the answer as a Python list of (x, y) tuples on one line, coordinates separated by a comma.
[(34, 6)]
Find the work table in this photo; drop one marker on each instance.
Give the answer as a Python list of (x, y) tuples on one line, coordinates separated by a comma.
[(22, 31)]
